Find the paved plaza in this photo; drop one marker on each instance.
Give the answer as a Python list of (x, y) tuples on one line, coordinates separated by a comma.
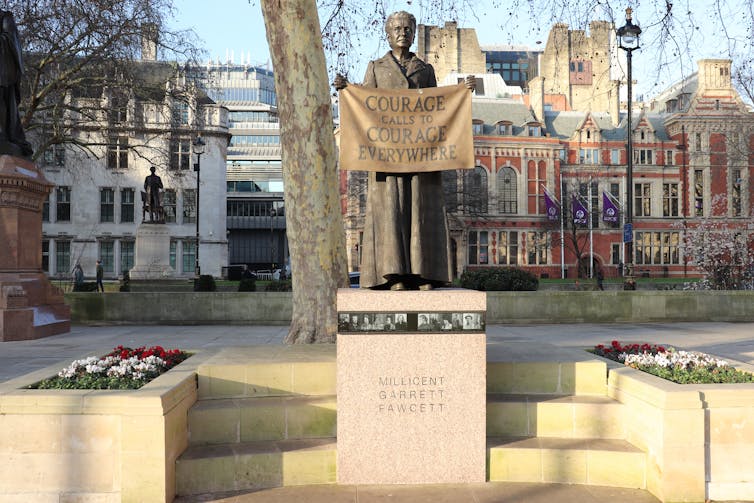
[(733, 341), (728, 340)]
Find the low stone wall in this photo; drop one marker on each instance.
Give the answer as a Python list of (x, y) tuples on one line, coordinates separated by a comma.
[(699, 438), (274, 308), (253, 308), (94, 445)]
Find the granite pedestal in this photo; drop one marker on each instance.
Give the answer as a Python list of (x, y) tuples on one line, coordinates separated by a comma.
[(411, 383), (30, 306), (152, 256)]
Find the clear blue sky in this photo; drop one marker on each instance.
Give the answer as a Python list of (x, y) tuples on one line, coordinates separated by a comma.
[(235, 27)]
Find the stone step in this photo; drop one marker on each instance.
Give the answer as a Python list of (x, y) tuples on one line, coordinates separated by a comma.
[(570, 416), (272, 370), (237, 420), (512, 367), (602, 462), (521, 368), (255, 465)]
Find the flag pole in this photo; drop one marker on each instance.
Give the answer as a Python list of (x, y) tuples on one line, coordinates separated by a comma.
[(591, 234)]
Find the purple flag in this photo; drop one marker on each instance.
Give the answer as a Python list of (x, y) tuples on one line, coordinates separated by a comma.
[(579, 211), (553, 208), (609, 209)]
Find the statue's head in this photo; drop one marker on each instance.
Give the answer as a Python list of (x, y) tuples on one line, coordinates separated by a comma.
[(152, 170), (400, 29)]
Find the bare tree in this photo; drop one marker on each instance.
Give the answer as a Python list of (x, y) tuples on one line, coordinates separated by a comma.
[(85, 61)]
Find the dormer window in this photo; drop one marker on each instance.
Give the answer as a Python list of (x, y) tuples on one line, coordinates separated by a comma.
[(477, 127), (505, 128)]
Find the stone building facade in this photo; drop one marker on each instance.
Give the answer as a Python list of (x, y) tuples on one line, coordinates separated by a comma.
[(693, 146), (95, 208)]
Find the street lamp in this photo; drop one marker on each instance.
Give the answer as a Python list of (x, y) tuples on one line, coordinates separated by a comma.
[(273, 214), (198, 147), (628, 40)]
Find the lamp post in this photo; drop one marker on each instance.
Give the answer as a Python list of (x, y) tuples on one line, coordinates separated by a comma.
[(273, 214), (628, 40), (198, 147)]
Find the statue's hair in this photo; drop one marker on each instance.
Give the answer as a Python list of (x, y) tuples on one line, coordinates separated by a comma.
[(401, 13)]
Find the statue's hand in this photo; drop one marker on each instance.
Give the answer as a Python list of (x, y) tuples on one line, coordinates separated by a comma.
[(340, 82), (470, 82)]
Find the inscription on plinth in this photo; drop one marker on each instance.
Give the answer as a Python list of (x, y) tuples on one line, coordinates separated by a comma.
[(411, 403)]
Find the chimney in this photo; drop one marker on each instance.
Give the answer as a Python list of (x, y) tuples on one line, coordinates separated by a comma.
[(714, 74), (537, 98), (149, 37), (614, 103)]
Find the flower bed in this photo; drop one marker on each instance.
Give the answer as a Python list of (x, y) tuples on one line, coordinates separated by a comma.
[(123, 368), (683, 367)]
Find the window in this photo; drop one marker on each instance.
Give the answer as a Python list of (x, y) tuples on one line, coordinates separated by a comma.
[(449, 188), (657, 248), (477, 128), (189, 206), (615, 249), (643, 156), (615, 156), (126, 255), (535, 174), (589, 156), (126, 205), (580, 72), (534, 130), (475, 191), (118, 110), (699, 192), (180, 153), (180, 113), (536, 248), (189, 256), (255, 139), (478, 248), (46, 209), (54, 156), (46, 255), (63, 204), (507, 248), (669, 199), (168, 205), (507, 191), (107, 255), (173, 248), (698, 142), (62, 257), (106, 205), (668, 158), (735, 193), (117, 152), (642, 200), (505, 129)]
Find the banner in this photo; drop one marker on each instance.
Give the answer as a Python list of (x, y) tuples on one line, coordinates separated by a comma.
[(610, 211), (406, 130), (552, 207), (579, 211)]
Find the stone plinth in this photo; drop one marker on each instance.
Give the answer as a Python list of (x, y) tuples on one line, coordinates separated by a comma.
[(411, 379), (30, 306), (152, 255)]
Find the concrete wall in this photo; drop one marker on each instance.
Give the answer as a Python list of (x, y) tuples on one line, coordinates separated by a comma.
[(274, 308)]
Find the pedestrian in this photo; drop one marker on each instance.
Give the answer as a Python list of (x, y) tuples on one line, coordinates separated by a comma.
[(600, 279), (78, 278), (100, 275)]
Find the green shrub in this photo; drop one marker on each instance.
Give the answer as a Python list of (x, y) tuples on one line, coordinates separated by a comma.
[(205, 283), (284, 285), (499, 279), (86, 286), (125, 283), (247, 285)]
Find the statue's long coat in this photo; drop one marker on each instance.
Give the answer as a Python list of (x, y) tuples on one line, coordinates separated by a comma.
[(405, 229)]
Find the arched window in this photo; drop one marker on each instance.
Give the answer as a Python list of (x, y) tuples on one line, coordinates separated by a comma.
[(507, 191), (475, 191)]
